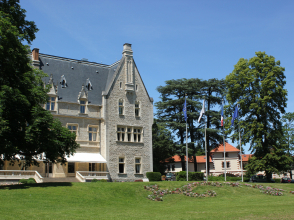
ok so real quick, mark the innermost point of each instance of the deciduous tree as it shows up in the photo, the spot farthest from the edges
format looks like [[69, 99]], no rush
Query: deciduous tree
[[26, 129], [257, 85]]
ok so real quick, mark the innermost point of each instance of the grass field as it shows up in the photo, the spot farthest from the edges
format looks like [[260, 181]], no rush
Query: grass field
[[129, 201]]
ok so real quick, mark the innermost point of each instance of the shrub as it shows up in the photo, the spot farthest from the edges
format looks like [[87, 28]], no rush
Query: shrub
[[103, 180], [246, 179], [94, 180], [31, 181], [277, 180], [24, 181], [222, 178], [192, 176], [153, 176]]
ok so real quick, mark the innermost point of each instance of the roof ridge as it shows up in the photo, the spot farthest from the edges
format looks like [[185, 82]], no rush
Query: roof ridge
[[78, 61]]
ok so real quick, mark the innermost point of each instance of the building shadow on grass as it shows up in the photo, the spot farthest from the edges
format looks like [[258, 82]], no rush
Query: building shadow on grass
[[26, 186]]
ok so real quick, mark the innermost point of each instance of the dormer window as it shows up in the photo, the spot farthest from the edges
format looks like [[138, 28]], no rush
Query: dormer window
[[82, 107], [50, 105], [121, 107], [89, 85], [63, 82]]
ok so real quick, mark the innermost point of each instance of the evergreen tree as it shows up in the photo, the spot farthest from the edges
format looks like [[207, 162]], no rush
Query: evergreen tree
[[213, 90], [26, 129], [163, 146], [170, 111]]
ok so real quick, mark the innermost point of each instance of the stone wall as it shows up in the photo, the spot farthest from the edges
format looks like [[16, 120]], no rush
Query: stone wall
[[125, 149]]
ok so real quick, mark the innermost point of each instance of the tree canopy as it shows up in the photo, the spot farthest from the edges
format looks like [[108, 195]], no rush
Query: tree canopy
[[257, 85], [26, 128], [163, 146], [170, 111]]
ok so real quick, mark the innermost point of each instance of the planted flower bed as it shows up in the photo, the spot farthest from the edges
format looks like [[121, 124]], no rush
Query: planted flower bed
[[187, 190]]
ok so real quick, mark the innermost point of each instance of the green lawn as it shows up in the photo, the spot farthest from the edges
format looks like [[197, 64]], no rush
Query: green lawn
[[129, 201]]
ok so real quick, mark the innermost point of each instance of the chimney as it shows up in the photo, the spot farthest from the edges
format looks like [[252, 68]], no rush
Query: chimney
[[127, 50], [35, 58]]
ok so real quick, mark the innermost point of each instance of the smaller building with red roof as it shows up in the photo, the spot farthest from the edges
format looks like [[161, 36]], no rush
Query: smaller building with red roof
[[219, 157]]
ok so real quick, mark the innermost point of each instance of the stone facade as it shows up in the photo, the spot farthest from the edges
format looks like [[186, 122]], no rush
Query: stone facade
[[109, 109]]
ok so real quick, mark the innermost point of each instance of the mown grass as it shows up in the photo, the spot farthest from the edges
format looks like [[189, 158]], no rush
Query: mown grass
[[129, 201]]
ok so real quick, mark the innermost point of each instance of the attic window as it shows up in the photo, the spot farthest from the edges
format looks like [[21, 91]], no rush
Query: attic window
[[89, 84], [63, 82]]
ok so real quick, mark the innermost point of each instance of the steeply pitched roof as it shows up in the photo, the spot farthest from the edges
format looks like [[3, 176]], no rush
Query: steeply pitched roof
[[76, 73], [229, 148]]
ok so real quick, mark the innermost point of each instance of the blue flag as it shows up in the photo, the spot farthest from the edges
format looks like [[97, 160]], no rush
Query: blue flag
[[235, 115], [185, 110]]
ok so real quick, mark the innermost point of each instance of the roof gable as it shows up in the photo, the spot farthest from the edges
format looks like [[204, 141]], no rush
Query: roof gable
[[229, 148]]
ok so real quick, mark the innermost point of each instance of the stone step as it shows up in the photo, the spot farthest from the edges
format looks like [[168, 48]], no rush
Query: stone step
[[61, 179]]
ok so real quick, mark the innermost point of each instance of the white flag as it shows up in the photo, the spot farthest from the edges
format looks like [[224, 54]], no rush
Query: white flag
[[202, 111]]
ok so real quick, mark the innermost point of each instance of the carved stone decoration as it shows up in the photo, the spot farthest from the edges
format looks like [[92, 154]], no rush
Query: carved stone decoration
[[83, 94], [53, 88], [129, 73]]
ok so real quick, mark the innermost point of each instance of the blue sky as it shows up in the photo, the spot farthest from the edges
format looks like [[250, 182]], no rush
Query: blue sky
[[170, 39]]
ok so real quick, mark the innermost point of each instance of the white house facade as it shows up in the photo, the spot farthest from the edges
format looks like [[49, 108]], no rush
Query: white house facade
[[219, 157]]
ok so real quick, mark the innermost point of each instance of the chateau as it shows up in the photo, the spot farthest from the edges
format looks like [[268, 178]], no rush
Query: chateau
[[109, 110]]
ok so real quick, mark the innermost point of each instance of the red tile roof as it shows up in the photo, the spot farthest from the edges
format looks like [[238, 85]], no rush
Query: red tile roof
[[245, 157], [229, 148]]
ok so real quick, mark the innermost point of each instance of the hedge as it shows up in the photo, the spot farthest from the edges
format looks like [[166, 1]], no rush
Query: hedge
[[154, 176], [192, 176]]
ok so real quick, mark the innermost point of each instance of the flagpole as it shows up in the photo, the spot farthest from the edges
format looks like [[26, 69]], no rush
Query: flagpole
[[199, 119], [187, 164], [240, 149], [206, 155], [206, 146], [225, 163]]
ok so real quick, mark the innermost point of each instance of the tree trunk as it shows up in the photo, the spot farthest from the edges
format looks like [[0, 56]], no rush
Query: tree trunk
[[183, 162], [192, 137]]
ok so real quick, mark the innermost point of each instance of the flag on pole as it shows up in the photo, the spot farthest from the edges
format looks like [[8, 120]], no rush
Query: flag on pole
[[202, 111], [222, 116], [185, 110], [235, 115]]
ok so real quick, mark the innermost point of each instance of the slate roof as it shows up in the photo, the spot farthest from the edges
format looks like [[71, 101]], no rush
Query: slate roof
[[76, 73]]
